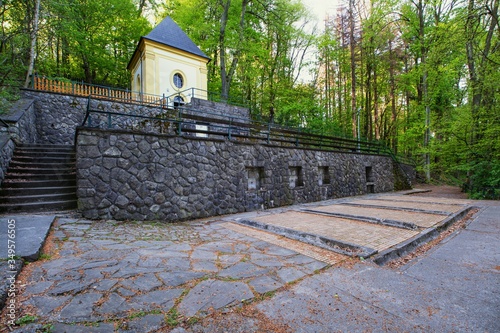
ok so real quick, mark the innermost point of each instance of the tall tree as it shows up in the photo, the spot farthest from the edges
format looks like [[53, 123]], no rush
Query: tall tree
[[33, 36]]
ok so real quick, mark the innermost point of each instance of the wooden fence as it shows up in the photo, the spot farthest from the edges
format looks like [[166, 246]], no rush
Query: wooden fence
[[85, 89]]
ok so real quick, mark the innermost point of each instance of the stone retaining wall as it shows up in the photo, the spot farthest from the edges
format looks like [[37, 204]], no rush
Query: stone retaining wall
[[6, 150], [130, 175], [58, 115], [214, 108], [21, 119]]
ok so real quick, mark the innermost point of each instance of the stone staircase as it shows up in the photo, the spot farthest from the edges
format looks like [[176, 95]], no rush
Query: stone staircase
[[40, 178]]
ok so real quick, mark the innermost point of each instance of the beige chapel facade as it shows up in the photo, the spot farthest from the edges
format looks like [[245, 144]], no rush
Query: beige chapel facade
[[166, 63]]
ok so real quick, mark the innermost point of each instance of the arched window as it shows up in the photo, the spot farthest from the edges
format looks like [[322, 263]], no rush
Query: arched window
[[178, 80], [178, 101]]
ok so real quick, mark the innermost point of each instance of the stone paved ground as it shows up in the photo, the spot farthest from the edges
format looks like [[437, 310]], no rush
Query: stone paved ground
[[215, 276], [139, 277]]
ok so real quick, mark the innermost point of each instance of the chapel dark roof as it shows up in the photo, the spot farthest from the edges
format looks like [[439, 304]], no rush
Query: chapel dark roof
[[170, 34]]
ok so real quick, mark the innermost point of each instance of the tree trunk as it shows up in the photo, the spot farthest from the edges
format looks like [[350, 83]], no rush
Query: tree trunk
[[425, 99], [222, 49], [227, 75], [353, 67], [33, 36], [392, 83]]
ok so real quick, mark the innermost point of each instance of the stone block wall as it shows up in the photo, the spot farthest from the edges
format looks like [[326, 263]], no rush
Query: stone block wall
[[6, 150], [130, 175], [21, 119], [214, 108], [58, 115]]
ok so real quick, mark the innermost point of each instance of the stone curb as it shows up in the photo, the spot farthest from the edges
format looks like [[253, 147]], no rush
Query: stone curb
[[424, 237], [374, 220], [415, 210], [415, 191], [331, 244]]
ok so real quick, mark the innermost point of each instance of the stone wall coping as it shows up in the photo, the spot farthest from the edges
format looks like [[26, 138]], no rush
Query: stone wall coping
[[17, 110]]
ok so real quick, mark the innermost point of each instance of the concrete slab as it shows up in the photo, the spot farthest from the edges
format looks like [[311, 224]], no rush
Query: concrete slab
[[29, 236], [447, 290], [431, 200], [419, 219], [435, 208], [348, 231]]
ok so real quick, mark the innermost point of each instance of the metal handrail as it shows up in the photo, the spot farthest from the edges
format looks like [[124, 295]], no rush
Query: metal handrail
[[231, 129]]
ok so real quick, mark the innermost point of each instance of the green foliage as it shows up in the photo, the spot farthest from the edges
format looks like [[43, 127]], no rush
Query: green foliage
[[172, 317], [408, 57], [27, 319], [89, 40]]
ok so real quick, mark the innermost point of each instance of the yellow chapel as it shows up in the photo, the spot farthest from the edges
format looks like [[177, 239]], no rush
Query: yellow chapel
[[167, 63]]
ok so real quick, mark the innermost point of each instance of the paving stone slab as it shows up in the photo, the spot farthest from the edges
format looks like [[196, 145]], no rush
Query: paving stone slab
[[70, 287], [213, 294], [226, 260], [80, 308], [145, 283], [243, 270], [116, 306], [30, 234], [264, 284], [104, 285], [146, 324], [164, 299], [205, 266], [232, 323], [311, 267], [38, 288], [223, 247], [203, 255], [72, 328], [290, 274], [45, 305], [174, 279]]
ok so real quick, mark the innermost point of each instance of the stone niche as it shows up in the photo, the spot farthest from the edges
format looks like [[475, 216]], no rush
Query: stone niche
[[255, 176], [323, 175], [370, 182], [296, 177]]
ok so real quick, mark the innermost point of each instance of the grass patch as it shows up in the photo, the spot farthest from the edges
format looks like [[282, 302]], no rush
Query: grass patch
[[172, 317], [45, 256], [26, 319], [138, 314]]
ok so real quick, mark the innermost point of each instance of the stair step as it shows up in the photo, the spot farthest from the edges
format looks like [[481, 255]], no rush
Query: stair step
[[43, 146], [38, 183], [12, 191], [40, 178], [30, 165], [38, 198], [43, 153], [45, 171], [38, 206], [43, 159], [11, 177]]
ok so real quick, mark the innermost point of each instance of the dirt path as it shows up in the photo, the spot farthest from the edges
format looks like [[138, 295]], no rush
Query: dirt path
[[442, 191]]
